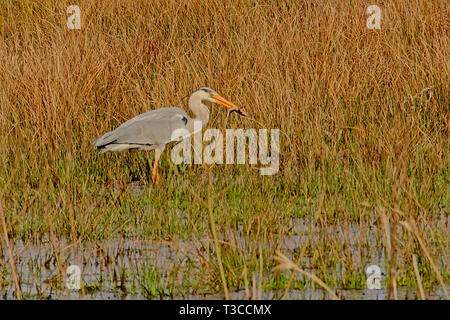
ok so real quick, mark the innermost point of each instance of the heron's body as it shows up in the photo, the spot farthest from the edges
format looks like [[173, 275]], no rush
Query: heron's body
[[153, 130], [145, 131]]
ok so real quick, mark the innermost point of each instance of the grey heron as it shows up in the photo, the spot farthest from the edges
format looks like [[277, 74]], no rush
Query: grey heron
[[153, 130]]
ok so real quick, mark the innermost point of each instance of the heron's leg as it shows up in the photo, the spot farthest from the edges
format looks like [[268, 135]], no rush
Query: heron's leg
[[155, 177], [155, 167], [155, 172]]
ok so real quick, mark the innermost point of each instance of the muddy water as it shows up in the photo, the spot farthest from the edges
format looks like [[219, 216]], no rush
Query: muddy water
[[139, 269]]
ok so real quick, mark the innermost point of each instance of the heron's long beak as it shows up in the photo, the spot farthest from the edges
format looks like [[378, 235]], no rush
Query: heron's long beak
[[227, 104]]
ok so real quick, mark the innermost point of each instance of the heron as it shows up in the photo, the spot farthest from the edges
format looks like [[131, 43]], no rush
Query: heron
[[153, 130]]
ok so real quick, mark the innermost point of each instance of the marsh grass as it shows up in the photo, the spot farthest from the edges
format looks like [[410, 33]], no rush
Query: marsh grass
[[364, 116]]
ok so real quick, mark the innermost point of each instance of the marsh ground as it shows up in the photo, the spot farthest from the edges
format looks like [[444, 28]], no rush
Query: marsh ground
[[364, 167]]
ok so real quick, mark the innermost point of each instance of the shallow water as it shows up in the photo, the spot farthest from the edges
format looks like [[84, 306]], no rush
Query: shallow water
[[141, 269]]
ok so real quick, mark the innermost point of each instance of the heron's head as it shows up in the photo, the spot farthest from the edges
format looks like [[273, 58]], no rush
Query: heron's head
[[207, 94]]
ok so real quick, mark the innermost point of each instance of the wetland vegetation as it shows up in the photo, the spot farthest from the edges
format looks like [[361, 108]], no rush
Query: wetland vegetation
[[364, 161]]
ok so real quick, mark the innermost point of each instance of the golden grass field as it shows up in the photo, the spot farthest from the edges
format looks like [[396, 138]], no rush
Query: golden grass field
[[364, 119]]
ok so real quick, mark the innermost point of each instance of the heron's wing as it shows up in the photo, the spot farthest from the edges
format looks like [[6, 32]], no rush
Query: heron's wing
[[157, 114], [154, 127]]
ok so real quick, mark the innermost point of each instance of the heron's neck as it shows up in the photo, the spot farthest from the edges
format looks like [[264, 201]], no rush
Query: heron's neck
[[199, 109]]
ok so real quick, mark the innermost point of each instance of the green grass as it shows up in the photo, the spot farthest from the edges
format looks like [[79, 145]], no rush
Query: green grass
[[364, 120]]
